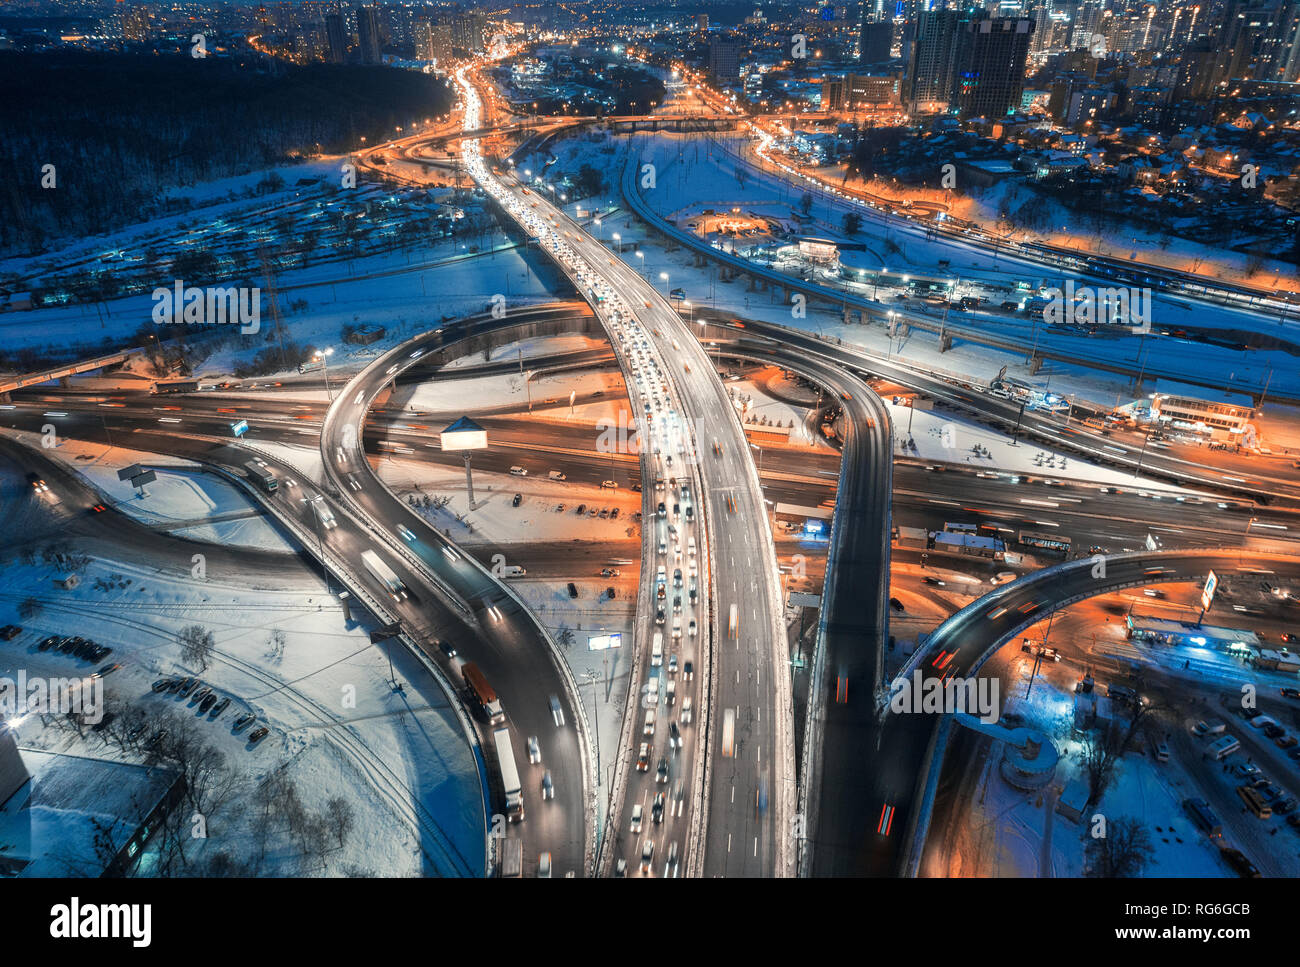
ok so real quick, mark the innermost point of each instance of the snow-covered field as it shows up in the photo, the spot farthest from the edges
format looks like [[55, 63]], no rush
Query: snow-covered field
[[337, 727], [898, 246]]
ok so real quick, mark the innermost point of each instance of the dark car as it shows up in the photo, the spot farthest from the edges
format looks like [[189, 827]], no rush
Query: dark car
[[162, 684], [1273, 731], [447, 649], [258, 734], [517, 501], [896, 605], [573, 590], [10, 632], [219, 708], [661, 773], [582, 509], [657, 810], [688, 671], [1291, 693], [244, 721], [187, 685], [611, 593], [68, 646], [1243, 866], [933, 581], [613, 514], [48, 643]]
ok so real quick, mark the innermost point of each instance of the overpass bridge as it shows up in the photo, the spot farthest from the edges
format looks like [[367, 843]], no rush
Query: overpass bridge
[[62, 372]]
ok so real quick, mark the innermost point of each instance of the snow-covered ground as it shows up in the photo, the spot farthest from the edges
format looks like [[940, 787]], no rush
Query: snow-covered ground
[[950, 438], [494, 521], [184, 499], [338, 728], [898, 246], [1009, 831]]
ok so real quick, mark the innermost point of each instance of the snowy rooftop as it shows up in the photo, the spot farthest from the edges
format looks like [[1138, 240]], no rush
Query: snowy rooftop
[[1169, 387], [51, 826]]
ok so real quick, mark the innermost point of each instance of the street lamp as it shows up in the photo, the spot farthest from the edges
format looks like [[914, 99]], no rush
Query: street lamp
[[641, 256], [664, 276], [323, 356], [618, 242]]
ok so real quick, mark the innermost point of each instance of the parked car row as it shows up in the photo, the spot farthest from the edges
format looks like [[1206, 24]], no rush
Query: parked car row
[[78, 647], [208, 703]]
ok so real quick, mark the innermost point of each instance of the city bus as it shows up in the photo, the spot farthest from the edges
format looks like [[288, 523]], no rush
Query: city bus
[[1050, 543], [1254, 801]]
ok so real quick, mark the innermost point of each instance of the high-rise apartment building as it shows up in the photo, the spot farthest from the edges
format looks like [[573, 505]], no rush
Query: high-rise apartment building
[[724, 59], [933, 44], [875, 41], [368, 34], [990, 65], [336, 33]]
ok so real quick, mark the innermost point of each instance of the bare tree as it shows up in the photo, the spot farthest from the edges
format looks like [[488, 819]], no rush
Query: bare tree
[[196, 645], [276, 643], [1103, 748], [339, 812], [1125, 851]]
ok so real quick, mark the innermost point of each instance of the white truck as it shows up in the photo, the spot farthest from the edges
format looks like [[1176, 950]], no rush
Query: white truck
[[556, 475], [384, 574], [509, 775]]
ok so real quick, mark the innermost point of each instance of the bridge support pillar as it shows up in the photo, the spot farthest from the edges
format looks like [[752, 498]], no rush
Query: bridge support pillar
[[848, 317], [863, 318], [1035, 363], [63, 381], [752, 287], [945, 343]]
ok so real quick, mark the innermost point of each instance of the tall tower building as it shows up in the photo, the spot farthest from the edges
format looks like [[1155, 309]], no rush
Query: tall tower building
[[990, 72], [875, 41], [930, 66], [336, 33], [368, 34], [724, 59]]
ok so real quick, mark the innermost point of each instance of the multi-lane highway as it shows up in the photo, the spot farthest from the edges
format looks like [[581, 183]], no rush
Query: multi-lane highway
[[746, 716], [515, 652]]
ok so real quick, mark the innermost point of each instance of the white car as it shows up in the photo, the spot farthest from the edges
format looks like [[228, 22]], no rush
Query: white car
[[691, 628], [686, 711], [637, 813], [534, 751]]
